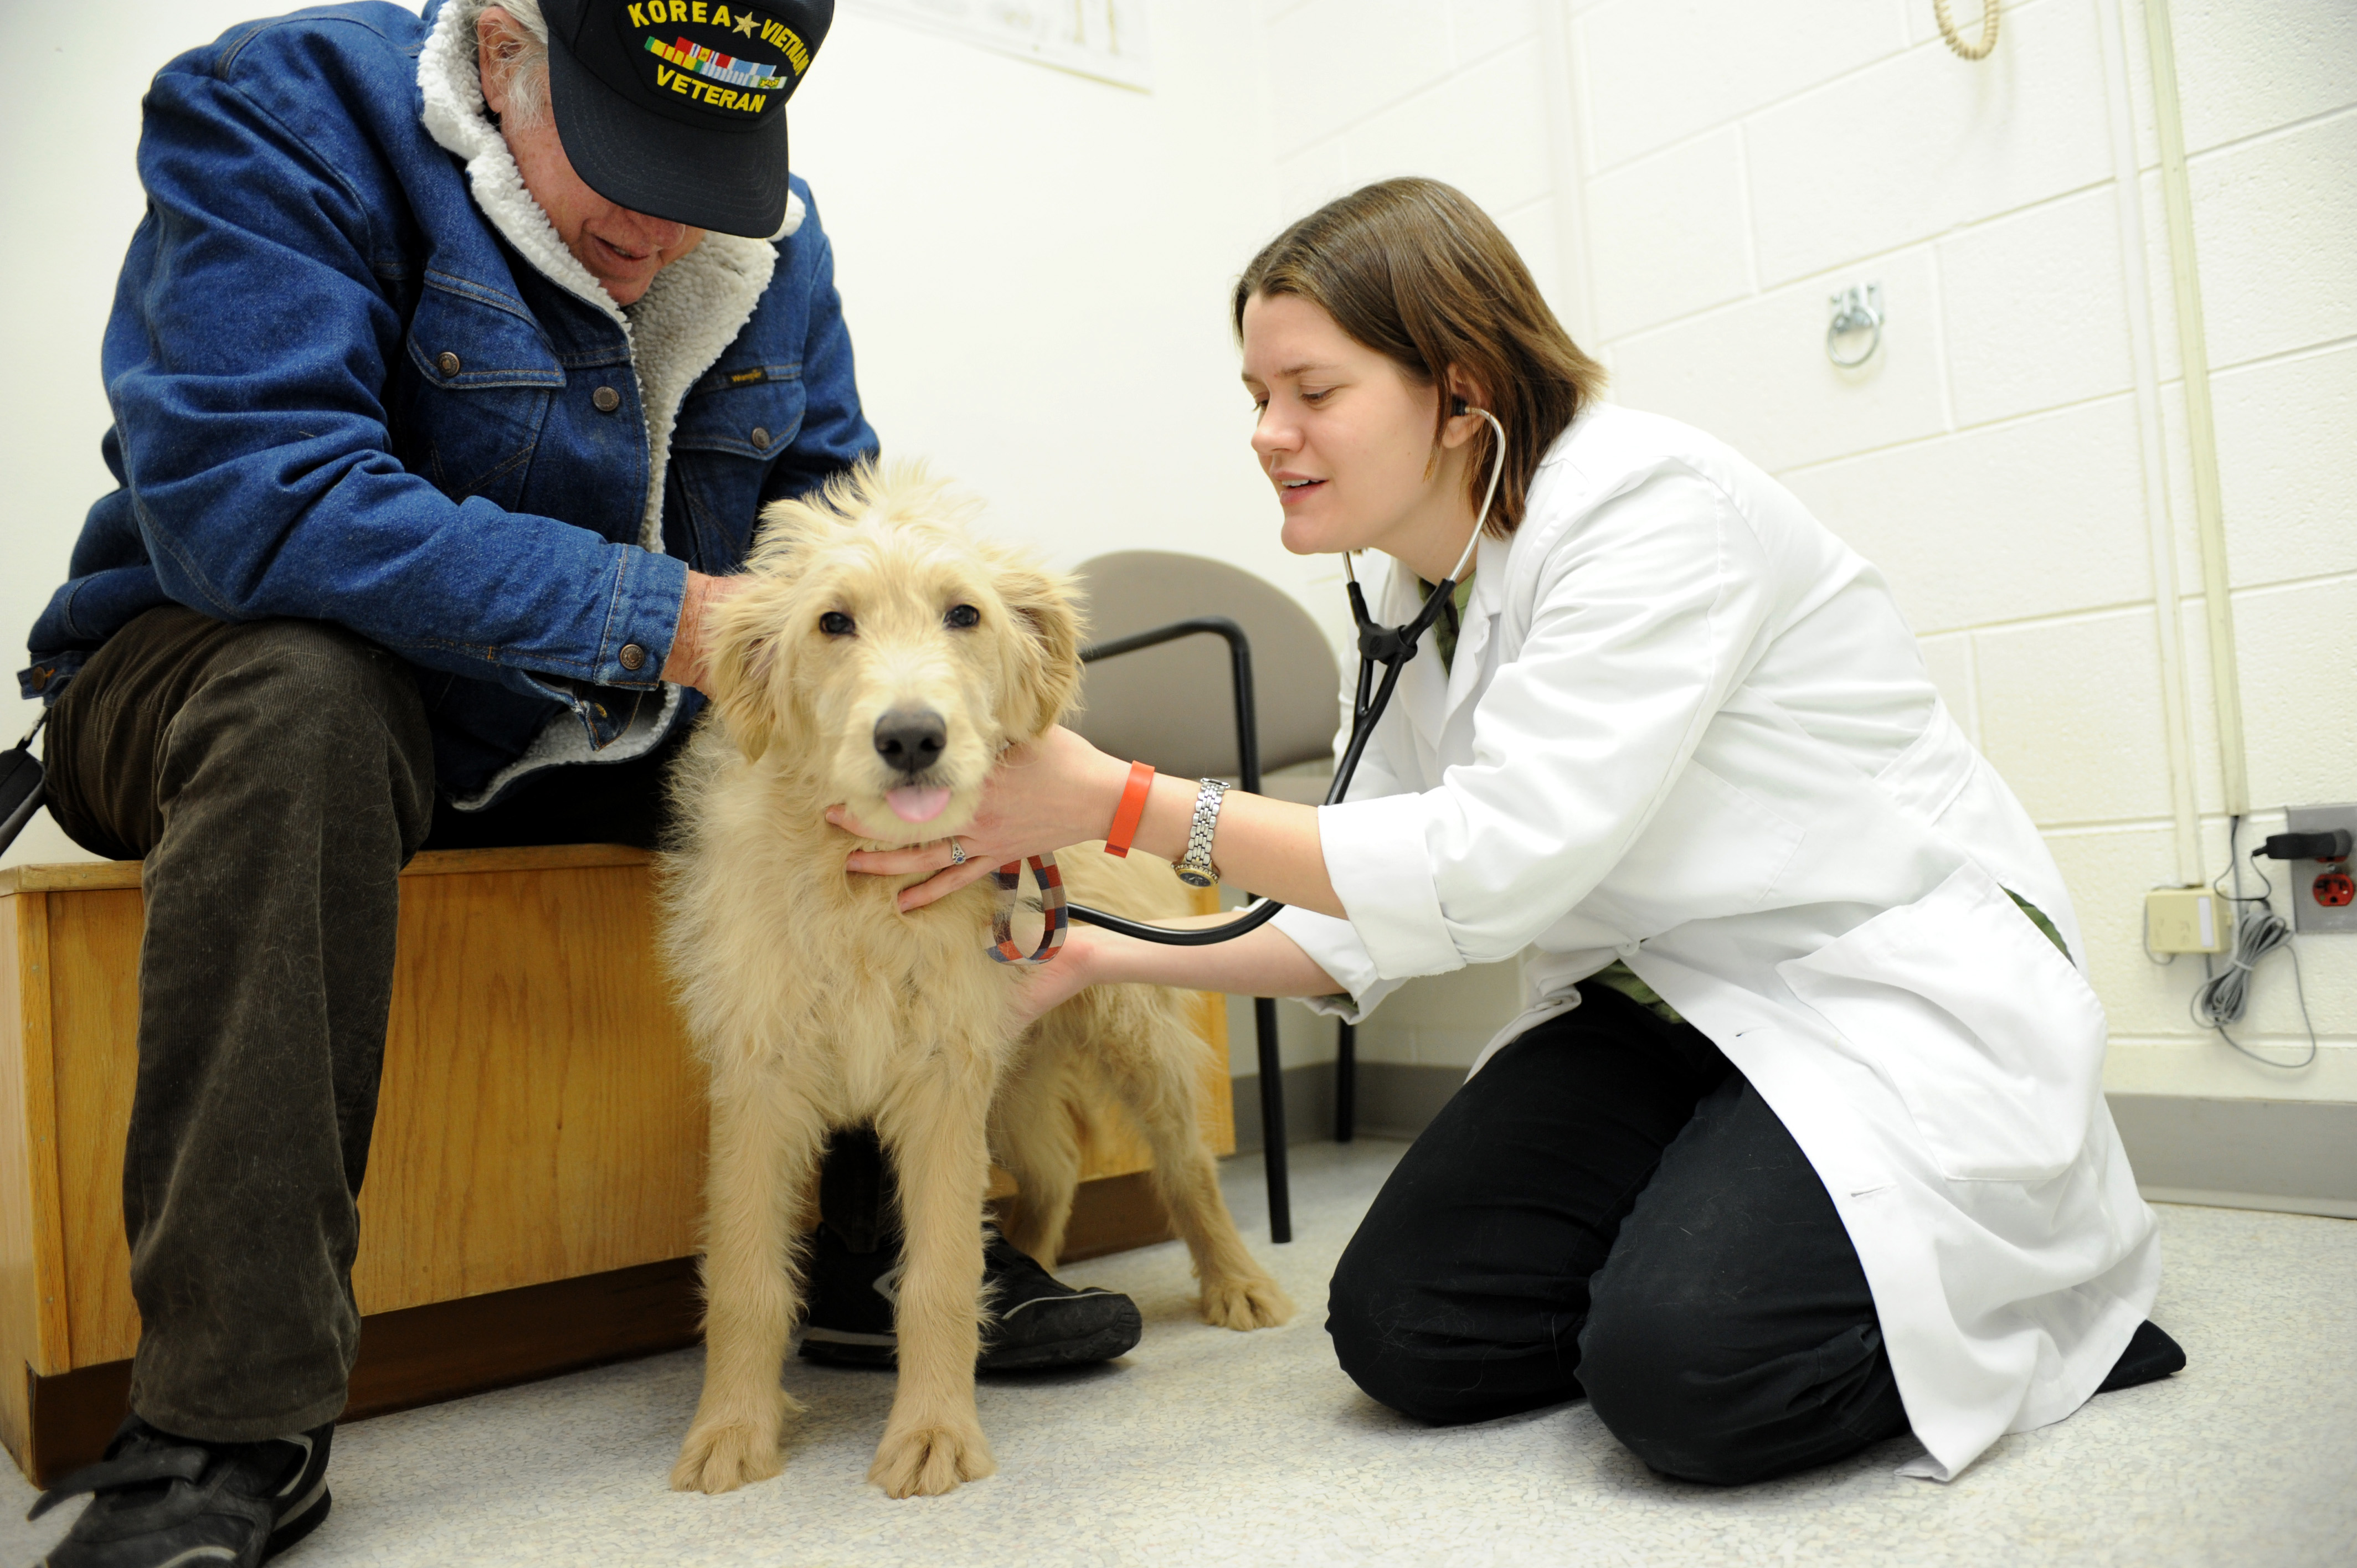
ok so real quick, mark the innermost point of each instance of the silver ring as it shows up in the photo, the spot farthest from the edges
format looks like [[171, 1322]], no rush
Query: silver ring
[[957, 852]]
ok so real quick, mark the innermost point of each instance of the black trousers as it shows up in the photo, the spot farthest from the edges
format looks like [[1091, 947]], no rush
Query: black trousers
[[275, 776], [1609, 1208]]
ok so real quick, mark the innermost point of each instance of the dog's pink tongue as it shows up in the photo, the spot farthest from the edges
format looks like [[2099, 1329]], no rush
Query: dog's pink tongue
[[914, 805]]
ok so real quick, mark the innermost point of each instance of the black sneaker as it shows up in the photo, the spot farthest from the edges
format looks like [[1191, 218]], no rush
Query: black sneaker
[[850, 1302], [158, 1499], [1041, 1322]]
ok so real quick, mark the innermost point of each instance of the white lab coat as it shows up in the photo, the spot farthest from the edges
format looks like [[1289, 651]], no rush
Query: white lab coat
[[1688, 728]]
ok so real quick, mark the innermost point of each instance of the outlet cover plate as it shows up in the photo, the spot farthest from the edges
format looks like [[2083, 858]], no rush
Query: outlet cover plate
[[2186, 919], [2307, 914]]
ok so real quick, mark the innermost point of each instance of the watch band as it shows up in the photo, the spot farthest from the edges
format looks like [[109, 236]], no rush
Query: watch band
[[1197, 870]]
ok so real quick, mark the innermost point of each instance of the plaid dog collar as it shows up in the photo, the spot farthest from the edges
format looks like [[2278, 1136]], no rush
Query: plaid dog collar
[[1008, 879]]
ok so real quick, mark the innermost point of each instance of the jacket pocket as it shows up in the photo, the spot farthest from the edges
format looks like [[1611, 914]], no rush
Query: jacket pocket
[[472, 394], [1990, 1035], [757, 416], [731, 429]]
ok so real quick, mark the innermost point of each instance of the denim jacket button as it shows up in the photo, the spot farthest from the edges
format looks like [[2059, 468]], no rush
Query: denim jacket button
[[632, 656], [607, 400], [447, 362], [760, 435]]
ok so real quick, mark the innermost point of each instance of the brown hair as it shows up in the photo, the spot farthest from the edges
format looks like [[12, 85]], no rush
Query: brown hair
[[1413, 270]]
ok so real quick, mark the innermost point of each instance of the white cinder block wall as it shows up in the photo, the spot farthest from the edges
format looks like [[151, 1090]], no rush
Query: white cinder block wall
[[1726, 165]]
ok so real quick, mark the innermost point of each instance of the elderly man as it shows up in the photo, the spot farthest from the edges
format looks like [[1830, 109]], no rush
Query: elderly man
[[454, 359]]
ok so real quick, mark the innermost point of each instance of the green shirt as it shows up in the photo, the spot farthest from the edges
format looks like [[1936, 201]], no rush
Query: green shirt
[[1444, 630]]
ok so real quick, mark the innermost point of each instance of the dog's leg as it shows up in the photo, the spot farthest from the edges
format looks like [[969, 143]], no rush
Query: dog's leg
[[765, 1148], [1038, 1140], [934, 1131], [1155, 1077]]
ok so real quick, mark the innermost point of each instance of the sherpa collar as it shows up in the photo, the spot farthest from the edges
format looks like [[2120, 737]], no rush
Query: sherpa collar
[[691, 311]]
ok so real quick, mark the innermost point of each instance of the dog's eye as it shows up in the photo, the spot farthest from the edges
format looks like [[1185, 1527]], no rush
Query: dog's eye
[[962, 616], [834, 623]]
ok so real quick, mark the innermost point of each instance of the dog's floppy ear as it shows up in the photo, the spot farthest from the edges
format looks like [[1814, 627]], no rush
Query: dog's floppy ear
[[744, 632], [746, 627], [1048, 677]]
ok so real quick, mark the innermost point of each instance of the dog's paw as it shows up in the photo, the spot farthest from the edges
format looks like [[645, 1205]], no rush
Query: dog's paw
[[721, 1459], [928, 1460], [1246, 1302]]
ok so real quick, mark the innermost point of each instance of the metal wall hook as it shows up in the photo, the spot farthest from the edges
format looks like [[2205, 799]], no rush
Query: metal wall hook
[[1855, 310]]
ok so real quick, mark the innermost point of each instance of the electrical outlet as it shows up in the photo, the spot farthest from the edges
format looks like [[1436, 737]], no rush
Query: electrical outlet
[[2321, 889], [2186, 919]]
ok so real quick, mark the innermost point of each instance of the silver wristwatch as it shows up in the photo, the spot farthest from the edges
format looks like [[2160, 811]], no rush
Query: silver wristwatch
[[1197, 870]]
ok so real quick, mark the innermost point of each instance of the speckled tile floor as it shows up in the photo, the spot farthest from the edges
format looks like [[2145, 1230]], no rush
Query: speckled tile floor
[[1204, 1446]]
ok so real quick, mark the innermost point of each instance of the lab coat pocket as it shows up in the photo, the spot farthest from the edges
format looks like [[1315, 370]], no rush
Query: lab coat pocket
[[1990, 1035]]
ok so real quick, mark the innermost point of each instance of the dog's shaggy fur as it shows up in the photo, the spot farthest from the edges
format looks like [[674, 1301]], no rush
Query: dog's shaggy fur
[[818, 1004]]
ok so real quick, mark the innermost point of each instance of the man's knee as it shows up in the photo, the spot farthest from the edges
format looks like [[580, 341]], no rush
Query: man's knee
[[317, 677], [314, 709]]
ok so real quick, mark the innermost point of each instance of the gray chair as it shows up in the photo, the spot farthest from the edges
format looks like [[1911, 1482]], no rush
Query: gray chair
[[1204, 670]]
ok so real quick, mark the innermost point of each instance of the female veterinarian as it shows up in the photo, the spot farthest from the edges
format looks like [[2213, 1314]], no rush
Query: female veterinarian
[[1799, 1143]]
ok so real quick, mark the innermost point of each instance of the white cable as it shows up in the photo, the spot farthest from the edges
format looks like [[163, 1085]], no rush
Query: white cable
[[2221, 999]]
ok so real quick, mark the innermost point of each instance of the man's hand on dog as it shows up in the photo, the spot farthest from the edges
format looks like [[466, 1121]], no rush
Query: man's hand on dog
[[1056, 790], [689, 662]]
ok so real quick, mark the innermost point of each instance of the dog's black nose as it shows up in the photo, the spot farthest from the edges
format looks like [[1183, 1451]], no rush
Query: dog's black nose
[[911, 741]]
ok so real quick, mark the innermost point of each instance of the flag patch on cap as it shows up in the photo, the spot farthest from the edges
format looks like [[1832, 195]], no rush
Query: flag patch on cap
[[714, 66], [736, 61]]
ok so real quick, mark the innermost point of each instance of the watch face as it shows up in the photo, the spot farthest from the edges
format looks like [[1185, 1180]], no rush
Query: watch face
[[1194, 878]]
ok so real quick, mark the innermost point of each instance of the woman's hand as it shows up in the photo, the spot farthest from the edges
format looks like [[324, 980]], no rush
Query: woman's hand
[[1056, 791], [1047, 986]]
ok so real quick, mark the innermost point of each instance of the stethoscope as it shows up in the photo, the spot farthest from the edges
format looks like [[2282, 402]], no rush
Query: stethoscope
[[1390, 645]]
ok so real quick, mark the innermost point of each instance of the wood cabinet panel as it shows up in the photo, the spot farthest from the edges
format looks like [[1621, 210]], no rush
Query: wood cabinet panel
[[542, 1115], [94, 1032]]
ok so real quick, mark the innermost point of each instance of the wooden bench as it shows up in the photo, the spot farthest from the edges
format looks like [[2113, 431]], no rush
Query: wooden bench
[[536, 1173]]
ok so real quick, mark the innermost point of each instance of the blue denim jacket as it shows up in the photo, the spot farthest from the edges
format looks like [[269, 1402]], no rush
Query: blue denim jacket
[[341, 393]]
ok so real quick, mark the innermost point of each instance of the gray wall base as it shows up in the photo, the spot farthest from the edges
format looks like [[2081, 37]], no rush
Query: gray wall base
[[2296, 1156], [2290, 1157], [1308, 1107], [1395, 1100]]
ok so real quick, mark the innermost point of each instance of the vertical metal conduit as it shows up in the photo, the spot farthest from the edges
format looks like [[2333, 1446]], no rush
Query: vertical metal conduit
[[2152, 439], [2193, 348]]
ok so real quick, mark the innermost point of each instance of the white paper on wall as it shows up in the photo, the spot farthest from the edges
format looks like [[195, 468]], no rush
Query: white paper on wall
[[1102, 38]]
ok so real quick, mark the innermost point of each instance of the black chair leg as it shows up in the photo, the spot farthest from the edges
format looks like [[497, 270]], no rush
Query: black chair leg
[[1346, 1082], [1272, 1121]]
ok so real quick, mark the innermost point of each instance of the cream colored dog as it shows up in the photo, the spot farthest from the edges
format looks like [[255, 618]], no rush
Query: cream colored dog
[[882, 657]]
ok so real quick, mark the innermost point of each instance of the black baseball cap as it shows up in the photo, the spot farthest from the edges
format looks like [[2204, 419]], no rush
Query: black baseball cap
[[677, 108]]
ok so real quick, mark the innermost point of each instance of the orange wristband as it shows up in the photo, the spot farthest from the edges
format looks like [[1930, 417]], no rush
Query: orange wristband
[[1131, 811]]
